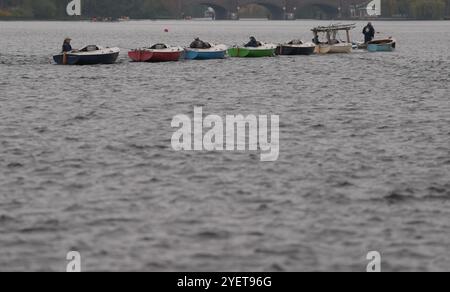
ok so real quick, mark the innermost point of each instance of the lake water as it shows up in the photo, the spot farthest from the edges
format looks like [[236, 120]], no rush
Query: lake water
[[86, 162]]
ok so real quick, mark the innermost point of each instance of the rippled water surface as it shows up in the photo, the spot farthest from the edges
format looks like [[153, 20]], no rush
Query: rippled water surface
[[86, 162]]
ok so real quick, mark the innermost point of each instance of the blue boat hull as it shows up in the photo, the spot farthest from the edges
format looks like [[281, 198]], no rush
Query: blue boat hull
[[199, 55], [87, 60]]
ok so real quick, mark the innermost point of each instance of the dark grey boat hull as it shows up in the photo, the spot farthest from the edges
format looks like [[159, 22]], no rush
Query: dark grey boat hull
[[87, 60], [294, 50]]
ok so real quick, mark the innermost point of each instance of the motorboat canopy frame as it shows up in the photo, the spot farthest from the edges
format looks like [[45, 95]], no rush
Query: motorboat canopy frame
[[331, 31]]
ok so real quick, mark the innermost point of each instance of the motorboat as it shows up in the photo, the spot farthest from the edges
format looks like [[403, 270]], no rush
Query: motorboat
[[333, 43]]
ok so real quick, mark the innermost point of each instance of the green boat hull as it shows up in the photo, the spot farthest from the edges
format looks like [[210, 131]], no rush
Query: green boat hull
[[251, 53]]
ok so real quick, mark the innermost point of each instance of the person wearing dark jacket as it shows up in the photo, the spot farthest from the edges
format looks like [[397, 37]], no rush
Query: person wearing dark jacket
[[369, 32], [199, 44], [66, 46], [253, 43], [196, 44]]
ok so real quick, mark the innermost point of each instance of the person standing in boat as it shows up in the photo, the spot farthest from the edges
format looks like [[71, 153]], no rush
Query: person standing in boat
[[66, 45], [253, 43], [369, 33]]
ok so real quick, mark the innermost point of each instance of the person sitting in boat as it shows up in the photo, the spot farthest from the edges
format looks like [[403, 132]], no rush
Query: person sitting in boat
[[253, 43], [66, 46], [199, 44], [369, 33]]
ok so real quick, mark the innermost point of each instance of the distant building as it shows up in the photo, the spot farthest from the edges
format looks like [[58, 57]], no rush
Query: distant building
[[210, 13], [361, 10]]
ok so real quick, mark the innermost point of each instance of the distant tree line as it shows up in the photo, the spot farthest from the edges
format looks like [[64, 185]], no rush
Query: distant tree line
[[149, 9], [50, 9]]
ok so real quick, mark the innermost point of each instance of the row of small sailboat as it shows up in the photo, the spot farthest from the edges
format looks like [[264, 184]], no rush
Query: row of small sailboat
[[334, 45], [163, 52], [93, 54]]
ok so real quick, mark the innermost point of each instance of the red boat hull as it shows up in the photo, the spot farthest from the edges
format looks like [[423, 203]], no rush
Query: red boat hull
[[140, 55], [166, 57], [154, 56]]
